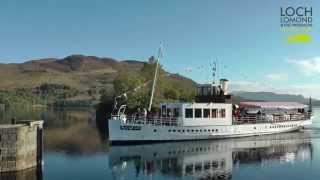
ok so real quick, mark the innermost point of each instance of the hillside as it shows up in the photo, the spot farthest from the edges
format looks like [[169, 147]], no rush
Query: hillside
[[74, 78], [82, 80], [78, 71]]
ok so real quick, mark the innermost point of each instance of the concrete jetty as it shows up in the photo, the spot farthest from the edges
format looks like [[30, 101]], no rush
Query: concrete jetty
[[21, 145]]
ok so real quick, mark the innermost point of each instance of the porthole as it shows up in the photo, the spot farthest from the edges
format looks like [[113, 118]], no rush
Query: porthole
[[200, 130], [169, 130], [205, 130], [179, 130], [174, 130], [216, 130], [254, 128], [187, 130], [208, 130], [192, 130], [154, 130], [197, 130], [182, 130]]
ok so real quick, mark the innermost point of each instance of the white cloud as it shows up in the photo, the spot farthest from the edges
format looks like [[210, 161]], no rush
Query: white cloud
[[308, 67], [277, 77]]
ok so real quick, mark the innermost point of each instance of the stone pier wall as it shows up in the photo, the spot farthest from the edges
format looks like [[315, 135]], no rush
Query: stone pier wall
[[28, 174], [20, 145]]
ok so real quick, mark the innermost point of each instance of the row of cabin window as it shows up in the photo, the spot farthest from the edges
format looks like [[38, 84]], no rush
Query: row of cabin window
[[282, 126], [204, 113], [191, 130]]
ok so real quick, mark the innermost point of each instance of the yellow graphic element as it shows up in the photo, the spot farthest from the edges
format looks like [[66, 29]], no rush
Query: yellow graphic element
[[299, 38]]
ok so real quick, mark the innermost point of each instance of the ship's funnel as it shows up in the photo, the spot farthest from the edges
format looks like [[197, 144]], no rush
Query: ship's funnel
[[224, 85]]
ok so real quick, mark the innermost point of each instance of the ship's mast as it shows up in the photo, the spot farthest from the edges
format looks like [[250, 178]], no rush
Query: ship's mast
[[155, 78]]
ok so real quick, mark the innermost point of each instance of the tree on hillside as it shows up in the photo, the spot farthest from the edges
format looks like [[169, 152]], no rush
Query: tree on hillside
[[167, 89]]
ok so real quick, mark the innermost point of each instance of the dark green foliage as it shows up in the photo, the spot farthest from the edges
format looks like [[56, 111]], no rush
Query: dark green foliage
[[73, 103], [18, 98], [56, 94], [46, 94]]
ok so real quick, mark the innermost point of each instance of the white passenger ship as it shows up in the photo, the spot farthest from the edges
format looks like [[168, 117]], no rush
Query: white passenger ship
[[211, 116]]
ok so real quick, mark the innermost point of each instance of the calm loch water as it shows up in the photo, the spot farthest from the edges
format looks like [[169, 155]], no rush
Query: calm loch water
[[76, 148]]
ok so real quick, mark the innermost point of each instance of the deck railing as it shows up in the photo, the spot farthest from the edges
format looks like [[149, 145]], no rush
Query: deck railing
[[248, 119], [271, 118], [146, 120]]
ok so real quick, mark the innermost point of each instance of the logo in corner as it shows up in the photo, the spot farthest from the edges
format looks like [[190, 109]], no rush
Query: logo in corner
[[296, 22]]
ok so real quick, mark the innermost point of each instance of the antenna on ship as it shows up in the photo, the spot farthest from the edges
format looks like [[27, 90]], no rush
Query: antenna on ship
[[160, 55], [310, 104]]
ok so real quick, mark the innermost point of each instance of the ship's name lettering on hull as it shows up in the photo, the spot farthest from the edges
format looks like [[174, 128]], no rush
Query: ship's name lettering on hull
[[137, 128]]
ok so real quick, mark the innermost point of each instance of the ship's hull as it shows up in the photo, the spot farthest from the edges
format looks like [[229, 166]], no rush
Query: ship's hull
[[126, 133]]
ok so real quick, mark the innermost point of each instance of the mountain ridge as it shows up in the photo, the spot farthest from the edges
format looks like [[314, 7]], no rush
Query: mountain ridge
[[277, 97], [92, 73]]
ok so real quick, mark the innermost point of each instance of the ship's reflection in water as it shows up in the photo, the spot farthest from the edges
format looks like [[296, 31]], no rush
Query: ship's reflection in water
[[207, 159]]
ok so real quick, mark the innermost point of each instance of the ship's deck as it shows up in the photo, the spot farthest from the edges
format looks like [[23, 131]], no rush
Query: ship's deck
[[236, 120]]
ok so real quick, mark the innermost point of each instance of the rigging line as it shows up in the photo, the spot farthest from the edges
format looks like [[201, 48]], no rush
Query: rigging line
[[155, 77]]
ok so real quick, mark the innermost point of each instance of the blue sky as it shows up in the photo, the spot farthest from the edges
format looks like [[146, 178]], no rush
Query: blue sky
[[243, 35]]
